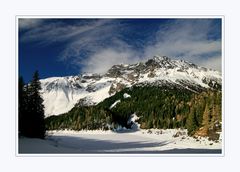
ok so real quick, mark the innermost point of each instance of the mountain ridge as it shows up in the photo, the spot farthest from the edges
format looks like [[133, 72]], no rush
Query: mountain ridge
[[60, 94]]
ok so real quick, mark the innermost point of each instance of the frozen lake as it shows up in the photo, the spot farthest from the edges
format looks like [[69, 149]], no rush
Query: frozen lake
[[108, 142]]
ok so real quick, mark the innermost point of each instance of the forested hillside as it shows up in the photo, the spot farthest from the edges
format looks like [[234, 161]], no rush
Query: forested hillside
[[157, 107]]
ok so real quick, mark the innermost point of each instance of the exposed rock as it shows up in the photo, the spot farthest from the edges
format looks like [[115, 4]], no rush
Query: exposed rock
[[90, 89], [86, 101], [116, 88], [151, 75]]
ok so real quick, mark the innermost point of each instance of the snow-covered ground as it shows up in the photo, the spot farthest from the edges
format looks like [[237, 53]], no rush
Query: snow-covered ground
[[171, 141]]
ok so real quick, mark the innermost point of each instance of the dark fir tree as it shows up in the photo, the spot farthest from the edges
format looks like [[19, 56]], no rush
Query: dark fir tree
[[22, 106], [31, 109], [36, 108]]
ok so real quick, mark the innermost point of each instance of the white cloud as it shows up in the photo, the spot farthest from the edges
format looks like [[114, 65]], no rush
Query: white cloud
[[183, 48], [101, 61], [187, 39], [28, 23], [212, 63], [96, 45]]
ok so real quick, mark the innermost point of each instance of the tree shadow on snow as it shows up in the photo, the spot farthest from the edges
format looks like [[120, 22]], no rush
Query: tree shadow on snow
[[125, 131], [80, 145], [86, 145]]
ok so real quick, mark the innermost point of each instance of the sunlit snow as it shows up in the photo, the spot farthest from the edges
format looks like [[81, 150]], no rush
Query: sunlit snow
[[126, 141]]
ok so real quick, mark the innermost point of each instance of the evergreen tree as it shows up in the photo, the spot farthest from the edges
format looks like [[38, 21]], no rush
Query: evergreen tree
[[35, 109], [22, 107]]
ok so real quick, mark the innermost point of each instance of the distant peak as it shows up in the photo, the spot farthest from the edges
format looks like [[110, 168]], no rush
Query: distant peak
[[160, 58], [160, 62]]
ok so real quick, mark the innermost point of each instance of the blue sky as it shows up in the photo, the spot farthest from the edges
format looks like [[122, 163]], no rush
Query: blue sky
[[61, 47]]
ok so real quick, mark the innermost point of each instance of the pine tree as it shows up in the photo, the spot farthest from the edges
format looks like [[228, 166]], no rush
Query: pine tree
[[22, 107], [36, 109]]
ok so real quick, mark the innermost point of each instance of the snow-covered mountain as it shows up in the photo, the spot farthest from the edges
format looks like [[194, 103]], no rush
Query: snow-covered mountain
[[60, 94]]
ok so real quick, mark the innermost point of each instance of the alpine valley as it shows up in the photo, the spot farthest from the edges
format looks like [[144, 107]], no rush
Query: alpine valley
[[158, 93]]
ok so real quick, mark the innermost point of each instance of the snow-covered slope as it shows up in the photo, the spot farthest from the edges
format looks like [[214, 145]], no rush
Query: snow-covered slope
[[60, 94]]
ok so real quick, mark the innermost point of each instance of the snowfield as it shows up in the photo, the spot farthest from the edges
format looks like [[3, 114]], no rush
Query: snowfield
[[153, 141]]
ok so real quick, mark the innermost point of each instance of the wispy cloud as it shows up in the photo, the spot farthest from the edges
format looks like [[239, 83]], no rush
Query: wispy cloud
[[96, 45], [28, 23], [188, 39], [214, 62], [92, 46], [51, 31]]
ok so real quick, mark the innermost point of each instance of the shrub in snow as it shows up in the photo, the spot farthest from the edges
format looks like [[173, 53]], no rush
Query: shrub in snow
[[149, 132], [159, 132], [179, 133]]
